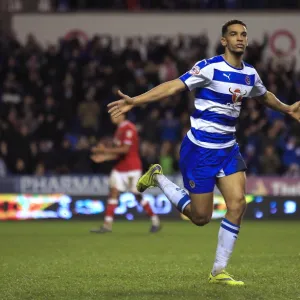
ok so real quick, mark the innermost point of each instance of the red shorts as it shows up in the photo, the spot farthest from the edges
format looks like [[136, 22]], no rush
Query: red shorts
[[125, 181]]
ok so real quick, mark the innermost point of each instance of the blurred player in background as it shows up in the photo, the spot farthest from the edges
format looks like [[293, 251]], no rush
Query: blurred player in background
[[209, 153], [126, 172]]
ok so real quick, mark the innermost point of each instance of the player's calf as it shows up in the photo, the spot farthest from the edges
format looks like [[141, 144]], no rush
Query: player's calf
[[112, 204], [236, 209], [201, 208], [155, 227]]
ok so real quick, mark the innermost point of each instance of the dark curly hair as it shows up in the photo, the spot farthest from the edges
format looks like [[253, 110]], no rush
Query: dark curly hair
[[229, 23]]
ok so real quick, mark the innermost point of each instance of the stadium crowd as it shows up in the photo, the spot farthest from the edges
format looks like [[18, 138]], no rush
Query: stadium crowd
[[149, 5], [53, 103], [175, 4]]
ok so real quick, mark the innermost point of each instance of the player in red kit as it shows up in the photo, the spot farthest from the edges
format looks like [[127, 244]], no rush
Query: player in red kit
[[126, 172]]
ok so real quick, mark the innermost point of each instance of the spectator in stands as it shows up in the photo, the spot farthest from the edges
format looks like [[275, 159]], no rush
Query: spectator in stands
[[291, 152], [269, 161], [88, 113], [169, 127], [149, 154], [166, 159], [53, 100]]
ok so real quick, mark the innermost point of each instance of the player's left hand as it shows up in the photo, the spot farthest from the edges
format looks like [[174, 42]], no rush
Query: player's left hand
[[100, 148], [98, 158], [295, 111]]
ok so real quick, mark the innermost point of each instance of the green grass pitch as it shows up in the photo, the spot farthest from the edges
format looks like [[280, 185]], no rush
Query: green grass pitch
[[62, 260]]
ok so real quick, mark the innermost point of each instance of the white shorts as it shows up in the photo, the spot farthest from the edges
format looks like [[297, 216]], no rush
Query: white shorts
[[125, 181]]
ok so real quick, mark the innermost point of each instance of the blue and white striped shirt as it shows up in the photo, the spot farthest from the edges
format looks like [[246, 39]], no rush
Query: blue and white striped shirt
[[219, 92]]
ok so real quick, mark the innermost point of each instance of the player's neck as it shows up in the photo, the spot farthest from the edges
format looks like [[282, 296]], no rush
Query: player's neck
[[235, 61]]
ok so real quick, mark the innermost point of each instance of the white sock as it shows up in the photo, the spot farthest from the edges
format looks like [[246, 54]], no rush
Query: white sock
[[228, 234], [155, 220], [174, 193]]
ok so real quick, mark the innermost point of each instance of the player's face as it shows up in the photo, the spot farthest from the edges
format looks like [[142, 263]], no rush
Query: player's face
[[236, 39]]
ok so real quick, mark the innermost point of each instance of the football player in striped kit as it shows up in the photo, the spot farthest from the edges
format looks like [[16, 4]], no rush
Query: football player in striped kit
[[209, 153]]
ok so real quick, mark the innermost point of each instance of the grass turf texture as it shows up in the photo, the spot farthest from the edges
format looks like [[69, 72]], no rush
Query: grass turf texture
[[62, 260]]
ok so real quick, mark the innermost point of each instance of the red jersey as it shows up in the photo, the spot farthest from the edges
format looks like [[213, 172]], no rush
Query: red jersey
[[126, 134]]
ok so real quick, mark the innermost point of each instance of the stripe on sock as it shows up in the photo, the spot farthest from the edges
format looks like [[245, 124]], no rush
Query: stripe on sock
[[183, 202], [229, 229], [230, 226], [229, 223]]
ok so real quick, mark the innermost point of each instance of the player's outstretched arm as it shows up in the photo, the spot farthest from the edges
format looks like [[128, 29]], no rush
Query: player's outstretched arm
[[112, 151], [159, 92], [270, 100], [102, 157]]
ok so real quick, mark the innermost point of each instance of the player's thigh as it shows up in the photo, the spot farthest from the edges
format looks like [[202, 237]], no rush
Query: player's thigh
[[131, 178], [233, 189], [231, 180], [116, 181], [202, 205], [199, 167]]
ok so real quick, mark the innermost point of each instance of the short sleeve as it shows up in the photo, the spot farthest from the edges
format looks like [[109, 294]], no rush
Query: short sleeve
[[127, 137], [198, 76], [258, 89]]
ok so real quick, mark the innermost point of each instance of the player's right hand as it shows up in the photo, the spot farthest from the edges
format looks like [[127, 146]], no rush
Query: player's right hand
[[121, 106]]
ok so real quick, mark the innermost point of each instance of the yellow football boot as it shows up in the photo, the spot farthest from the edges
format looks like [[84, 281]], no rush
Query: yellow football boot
[[148, 180], [224, 278]]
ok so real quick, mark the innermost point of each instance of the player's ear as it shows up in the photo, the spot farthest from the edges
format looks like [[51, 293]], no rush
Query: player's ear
[[223, 41]]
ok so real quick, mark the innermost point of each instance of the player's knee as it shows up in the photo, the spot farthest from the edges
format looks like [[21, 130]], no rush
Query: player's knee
[[238, 206], [199, 220], [113, 193]]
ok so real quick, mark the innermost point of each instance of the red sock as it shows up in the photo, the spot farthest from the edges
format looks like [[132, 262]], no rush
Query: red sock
[[153, 217], [110, 210], [147, 208]]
